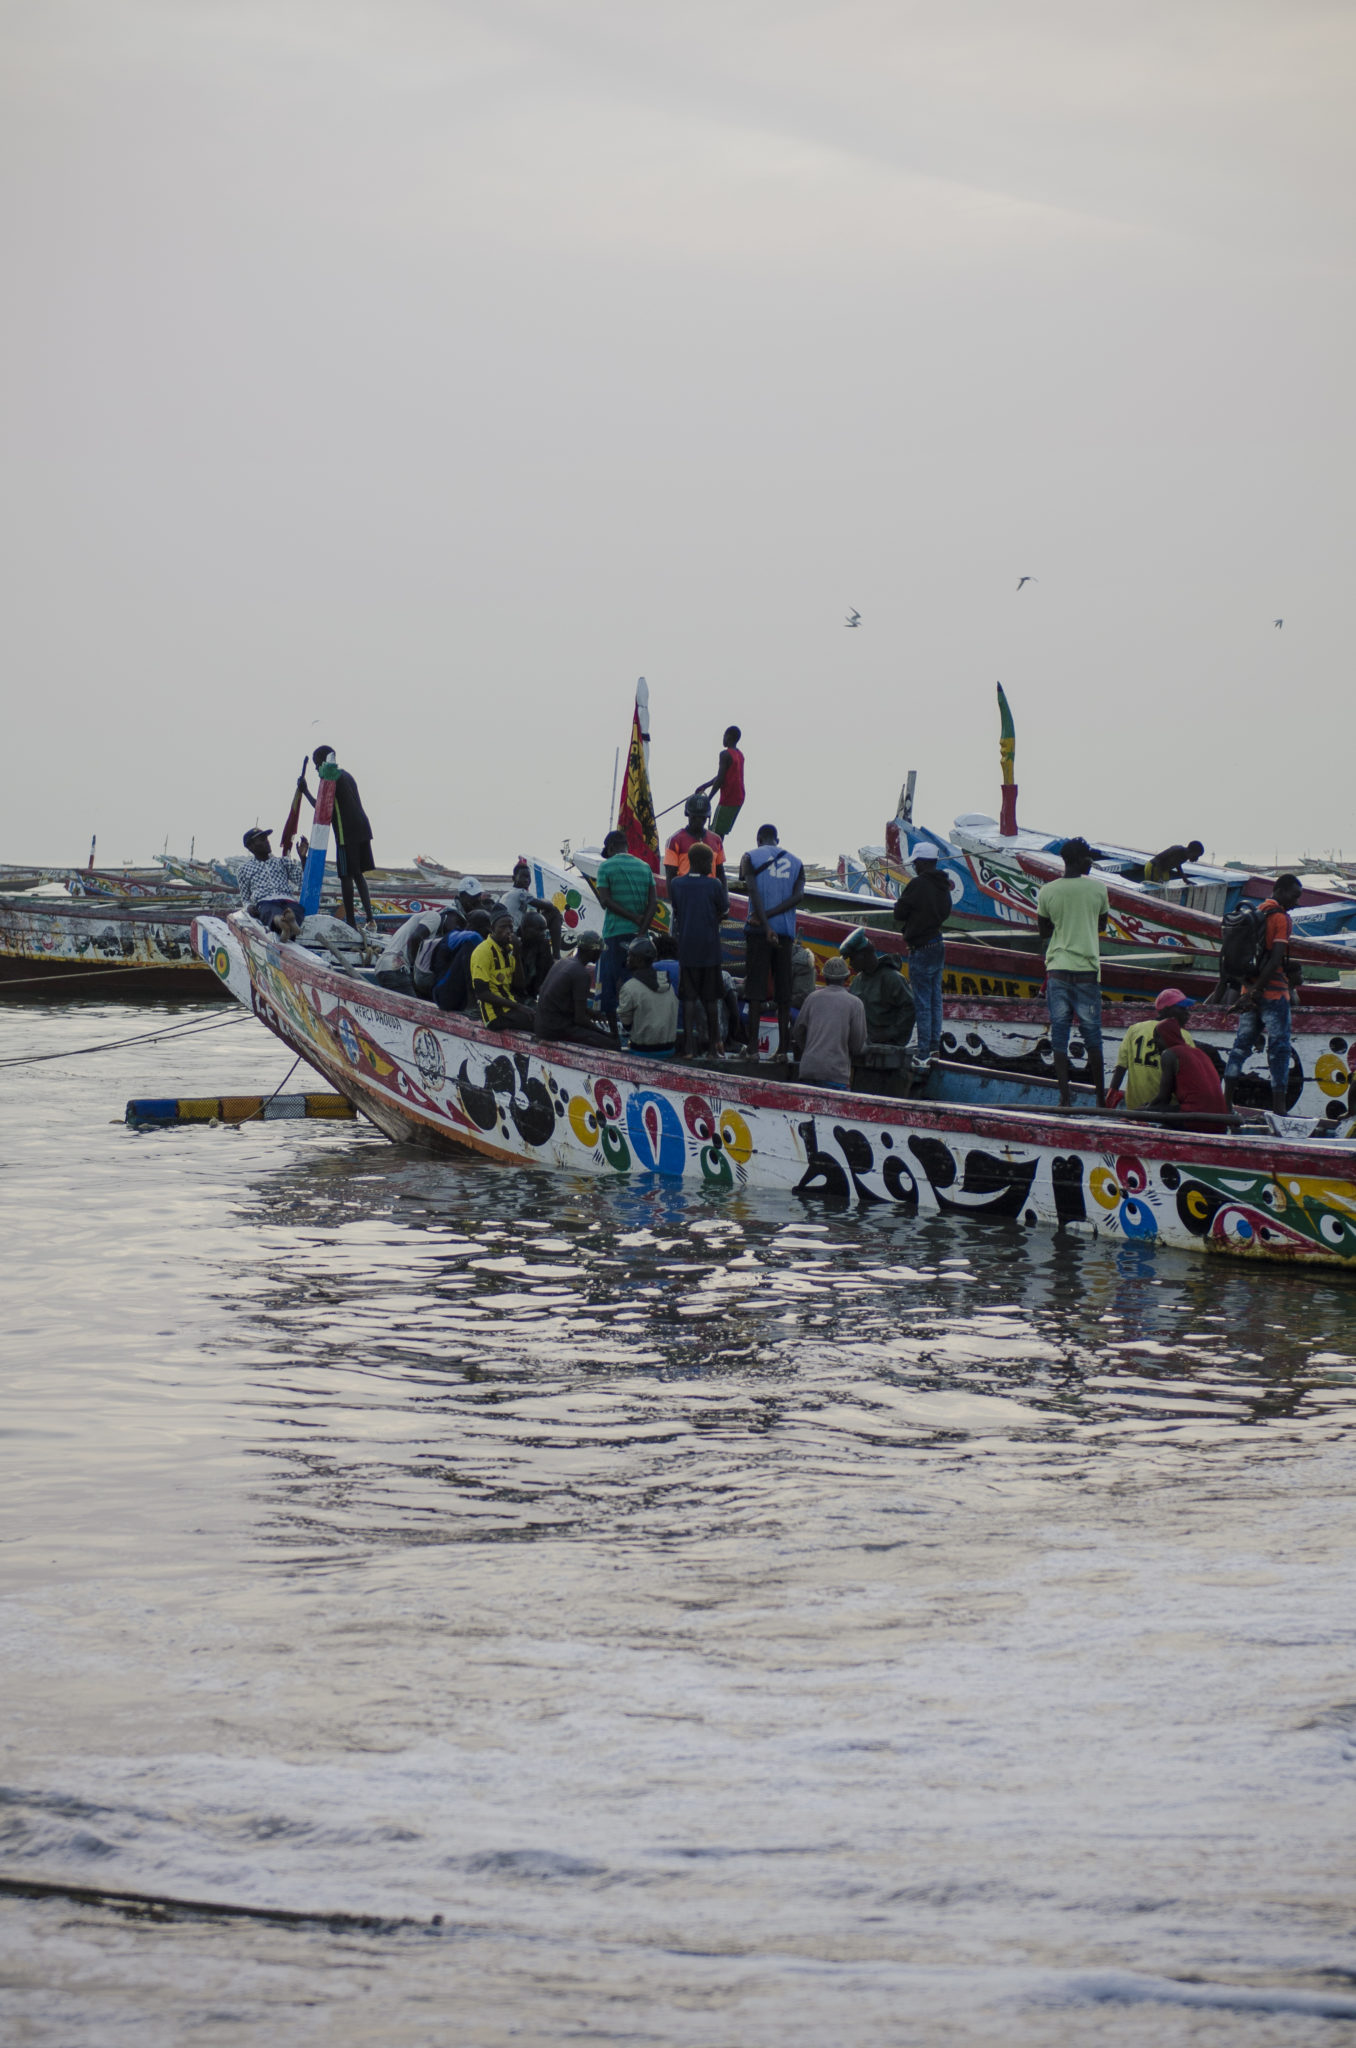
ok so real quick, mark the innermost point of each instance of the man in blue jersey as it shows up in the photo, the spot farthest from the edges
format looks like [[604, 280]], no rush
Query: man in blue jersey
[[774, 881]]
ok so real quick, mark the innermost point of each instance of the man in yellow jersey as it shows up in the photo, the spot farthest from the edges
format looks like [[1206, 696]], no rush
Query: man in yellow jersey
[[1138, 1063], [497, 979]]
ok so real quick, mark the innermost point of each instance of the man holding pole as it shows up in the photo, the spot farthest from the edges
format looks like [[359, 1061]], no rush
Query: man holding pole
[[353, 833]]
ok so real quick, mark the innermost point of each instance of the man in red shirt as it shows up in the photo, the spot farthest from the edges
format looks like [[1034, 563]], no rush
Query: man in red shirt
[[727, 784], [698, 810], [1265, 1005], [1189, 1080]]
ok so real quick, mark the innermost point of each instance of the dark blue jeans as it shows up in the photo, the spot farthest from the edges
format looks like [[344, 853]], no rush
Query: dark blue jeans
[[1272, 1018], [925, 979], [612, 971]]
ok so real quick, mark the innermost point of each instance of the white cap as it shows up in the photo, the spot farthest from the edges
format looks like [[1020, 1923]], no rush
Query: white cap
[[925, 850], [469, 886]]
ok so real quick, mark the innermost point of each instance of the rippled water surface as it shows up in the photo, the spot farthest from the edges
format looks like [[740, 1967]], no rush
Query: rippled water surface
[[665, 1619]]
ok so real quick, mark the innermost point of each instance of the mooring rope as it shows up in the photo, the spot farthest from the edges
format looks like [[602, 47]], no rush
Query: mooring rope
[[192, 1027]]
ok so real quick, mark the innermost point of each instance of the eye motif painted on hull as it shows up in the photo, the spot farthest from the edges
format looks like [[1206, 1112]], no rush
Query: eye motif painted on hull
[[656, 1135], [724, 1142], [596, 1125]]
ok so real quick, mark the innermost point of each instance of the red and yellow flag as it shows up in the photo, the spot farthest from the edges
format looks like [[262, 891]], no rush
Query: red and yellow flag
[[635, 812]]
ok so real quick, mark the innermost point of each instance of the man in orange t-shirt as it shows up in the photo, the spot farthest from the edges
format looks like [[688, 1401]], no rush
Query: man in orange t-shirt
[[1265, 1004], [698, 810]]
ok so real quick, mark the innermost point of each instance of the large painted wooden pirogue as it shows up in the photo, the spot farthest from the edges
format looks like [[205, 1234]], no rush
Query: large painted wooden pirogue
[[419, 1072]]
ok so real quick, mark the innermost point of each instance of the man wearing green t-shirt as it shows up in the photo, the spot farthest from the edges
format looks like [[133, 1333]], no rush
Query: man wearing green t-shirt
[[626, 889], [1072, 915]]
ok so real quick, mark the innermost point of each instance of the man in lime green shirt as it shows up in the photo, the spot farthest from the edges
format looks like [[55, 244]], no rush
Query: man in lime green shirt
[[1072, 915]]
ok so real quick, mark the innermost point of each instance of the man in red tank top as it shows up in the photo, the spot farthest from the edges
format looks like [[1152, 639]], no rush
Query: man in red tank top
[[1189, 1080], [727, 784]]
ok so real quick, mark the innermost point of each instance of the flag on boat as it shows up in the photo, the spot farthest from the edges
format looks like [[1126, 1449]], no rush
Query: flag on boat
[[635, 812], [289, 830]]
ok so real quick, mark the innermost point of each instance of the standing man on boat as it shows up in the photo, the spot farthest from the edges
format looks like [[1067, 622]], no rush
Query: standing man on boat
[[698, 810], [1072, 915], [881, 990], [1265, 1005], [625, 886], [727, 784], [921, 909], [700, 902], [774, 881], [353, 835]]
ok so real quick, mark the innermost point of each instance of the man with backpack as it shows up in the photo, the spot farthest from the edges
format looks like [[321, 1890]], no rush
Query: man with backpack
[[1267, 979], [446, 963]]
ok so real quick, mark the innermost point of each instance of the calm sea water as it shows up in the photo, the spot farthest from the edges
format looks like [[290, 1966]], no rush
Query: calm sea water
[[673, 1620]]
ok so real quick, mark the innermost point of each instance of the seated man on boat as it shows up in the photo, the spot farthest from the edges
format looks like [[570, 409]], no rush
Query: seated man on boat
[[1189, 1081], [647, 1007], [395, 962], [520, 904], [1137, 1062], [666, 956], [884, 995], [538, 954], [450, 964], [563, 1004], [268, 883], [469, 896], [497, 978], [830, 1030], [803, 975]]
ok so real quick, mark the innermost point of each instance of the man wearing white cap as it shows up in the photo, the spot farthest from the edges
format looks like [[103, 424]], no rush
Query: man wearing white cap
[[921, 910]]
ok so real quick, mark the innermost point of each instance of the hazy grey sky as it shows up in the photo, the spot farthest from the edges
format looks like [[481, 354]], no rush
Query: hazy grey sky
[[415, 375]]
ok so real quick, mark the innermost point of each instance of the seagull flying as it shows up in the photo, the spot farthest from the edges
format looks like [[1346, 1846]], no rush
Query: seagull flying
[[1280, 622], [1026, 579], [853, 619]]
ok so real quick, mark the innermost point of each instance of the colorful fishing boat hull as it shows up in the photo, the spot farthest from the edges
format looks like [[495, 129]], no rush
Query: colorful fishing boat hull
[[418, 1072], [50, 944]]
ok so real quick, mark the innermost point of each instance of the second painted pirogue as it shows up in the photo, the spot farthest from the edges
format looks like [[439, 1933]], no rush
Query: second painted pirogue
[[419, 1072]]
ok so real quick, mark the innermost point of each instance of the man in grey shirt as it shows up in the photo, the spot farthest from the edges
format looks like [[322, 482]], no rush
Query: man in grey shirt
[[830, 1030]]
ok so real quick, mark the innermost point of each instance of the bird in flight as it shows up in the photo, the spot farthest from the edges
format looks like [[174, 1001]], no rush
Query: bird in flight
[[1025, 579], [1280, 622], [853, 619]]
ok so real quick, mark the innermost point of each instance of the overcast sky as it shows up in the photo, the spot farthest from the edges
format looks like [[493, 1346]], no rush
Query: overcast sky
[[414, 375]]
